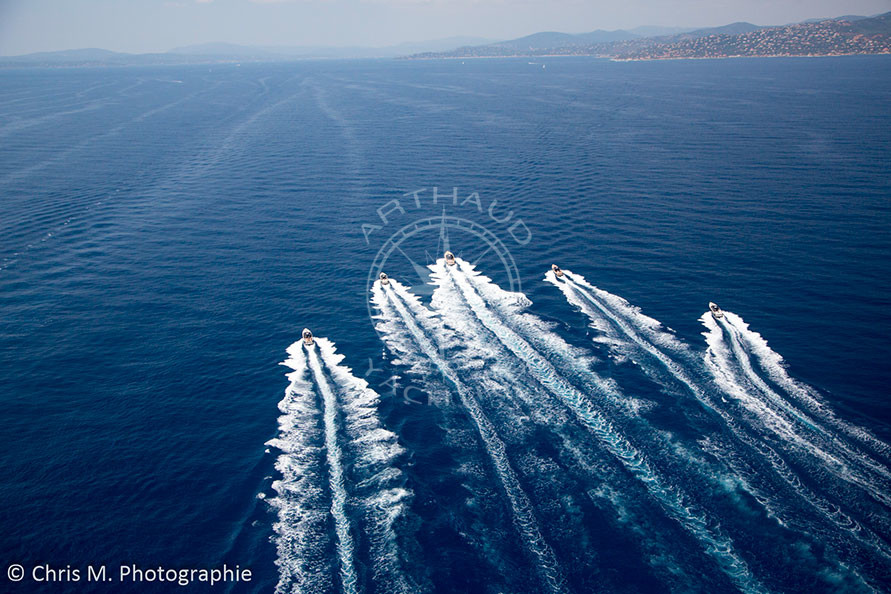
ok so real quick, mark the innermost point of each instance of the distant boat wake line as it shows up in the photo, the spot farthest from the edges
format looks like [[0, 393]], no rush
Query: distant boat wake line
[[49, 219], [61, 156], [801, 438], [353, 153], [398, 306], [338, 466], [463, 282], [68, 216]]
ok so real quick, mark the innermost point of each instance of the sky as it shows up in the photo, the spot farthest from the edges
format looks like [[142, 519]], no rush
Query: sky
[[158, 25]]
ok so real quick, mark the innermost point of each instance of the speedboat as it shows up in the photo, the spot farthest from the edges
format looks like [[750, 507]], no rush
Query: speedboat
[[385, 280], [716, 311], [307, 337], [557, 272], [450, 258]]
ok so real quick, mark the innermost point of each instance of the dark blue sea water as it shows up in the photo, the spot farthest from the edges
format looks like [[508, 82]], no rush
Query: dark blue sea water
[[166, 233]]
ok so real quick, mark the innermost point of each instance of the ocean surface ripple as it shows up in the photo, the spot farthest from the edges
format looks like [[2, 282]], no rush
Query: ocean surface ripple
[[166, 232]]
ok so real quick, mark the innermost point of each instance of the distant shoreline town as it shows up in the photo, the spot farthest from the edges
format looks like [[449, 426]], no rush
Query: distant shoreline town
[[841, 36]]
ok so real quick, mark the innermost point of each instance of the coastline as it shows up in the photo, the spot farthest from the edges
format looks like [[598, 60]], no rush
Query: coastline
[[647, 59]]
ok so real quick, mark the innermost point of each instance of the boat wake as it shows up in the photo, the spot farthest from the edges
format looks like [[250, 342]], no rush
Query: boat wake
[[771, 422], [536, 346], [844, 473], [413, 330], [748, 345], [735, 462], [339, 467]]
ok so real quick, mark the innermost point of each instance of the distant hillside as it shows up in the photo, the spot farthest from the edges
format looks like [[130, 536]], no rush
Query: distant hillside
[[825, 38], [848, 17], [828, 37], [839, 36], [441, 45], [731, 29], [86, 54], [550, 42], [301, 51], [545, 40], [650, 31], [218, 49], [214, 53], [94, 57]]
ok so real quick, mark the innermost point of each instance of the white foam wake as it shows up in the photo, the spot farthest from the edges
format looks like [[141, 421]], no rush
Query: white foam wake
[[302, 540], [345, 545], [772, 365], [379, 487], [581, 294], [628, 328], [733, 373], [673, 500], [794, 427], [329, 417], [396, 303], [505, 380], [651, 336], [845, 463], [634, 324]]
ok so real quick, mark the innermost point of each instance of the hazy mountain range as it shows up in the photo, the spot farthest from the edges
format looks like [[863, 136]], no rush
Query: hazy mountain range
[[548, 40], [401, 49], [845, 35], [230, 52], [639, 43]]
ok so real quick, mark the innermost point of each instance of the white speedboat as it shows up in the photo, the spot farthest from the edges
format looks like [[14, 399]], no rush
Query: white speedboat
[[450, 258], [557, 272], [385, 280], [716, 311], [307, 337]]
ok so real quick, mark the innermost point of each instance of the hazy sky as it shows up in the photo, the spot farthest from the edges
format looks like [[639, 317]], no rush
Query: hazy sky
[[158, 25]]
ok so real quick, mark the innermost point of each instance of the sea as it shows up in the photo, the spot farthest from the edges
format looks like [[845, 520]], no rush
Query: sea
[[167, 232]]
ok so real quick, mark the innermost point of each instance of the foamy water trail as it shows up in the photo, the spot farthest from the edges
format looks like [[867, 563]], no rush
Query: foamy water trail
[[494, 366], [396, 303], [302, 527], [379, 485], [731, 376], [577, 292], [345, 545], [795, 427], [462, 452], [629, 329], [675, 503], [771, 364], [336, 458], [585, 296], [856, 467]]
